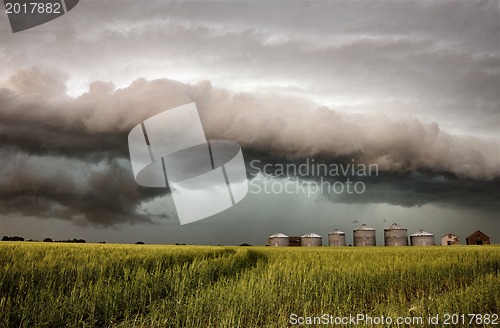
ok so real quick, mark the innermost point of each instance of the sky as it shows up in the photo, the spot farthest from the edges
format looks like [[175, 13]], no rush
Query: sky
[[410, 87]]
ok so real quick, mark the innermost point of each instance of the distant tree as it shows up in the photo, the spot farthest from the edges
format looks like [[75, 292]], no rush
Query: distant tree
[[48, 240], [245, 244], [74, 240], [5, 238], [140, 243], [102, 242]]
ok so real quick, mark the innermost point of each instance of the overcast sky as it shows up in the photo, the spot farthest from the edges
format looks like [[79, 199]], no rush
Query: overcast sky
[[413, 87]]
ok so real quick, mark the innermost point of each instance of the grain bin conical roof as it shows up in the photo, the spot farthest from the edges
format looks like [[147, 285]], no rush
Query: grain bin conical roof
[[421, 233], [395, 226], [311, 235], [364, 227], [278, 235]]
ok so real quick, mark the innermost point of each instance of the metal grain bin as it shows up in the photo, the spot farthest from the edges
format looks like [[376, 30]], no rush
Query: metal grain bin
[[336, 238], [278, 239], [395, 236], [364, 236], [311, 239], [422, 238]]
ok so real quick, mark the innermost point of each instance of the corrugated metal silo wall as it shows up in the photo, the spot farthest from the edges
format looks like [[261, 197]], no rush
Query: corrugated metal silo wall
[[336, 240], [395, 237], [311, 241], [422, 240], [365, 238]]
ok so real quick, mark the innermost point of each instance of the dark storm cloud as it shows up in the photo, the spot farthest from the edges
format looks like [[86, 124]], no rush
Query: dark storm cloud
[[92, 127], [65, 157], [407, 188], [98, 121], [417, 189], [49, 187]]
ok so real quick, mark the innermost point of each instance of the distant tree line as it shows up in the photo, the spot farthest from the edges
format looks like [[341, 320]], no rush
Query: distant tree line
[[17, 238], [13, 238], [74, 240]]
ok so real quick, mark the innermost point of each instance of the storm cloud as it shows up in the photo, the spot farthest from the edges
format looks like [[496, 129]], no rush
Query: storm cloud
[[46, 136], [435, 61], [409, 86], [101, 195], [98, 122]]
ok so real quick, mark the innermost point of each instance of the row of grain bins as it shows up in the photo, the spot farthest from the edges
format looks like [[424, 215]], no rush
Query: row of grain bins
[[363, 236], [394, 235], [310, 239]]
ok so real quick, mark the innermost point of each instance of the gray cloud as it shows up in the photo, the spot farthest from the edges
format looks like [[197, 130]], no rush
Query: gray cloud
[[411, 86], [47, 136], [54, 187], [99, 121], [400, 188], [437, 61]]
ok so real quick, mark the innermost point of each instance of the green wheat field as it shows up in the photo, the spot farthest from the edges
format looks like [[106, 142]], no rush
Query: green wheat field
[[95, 285]]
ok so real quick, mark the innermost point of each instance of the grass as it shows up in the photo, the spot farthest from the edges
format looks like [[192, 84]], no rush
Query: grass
[[92, 285]]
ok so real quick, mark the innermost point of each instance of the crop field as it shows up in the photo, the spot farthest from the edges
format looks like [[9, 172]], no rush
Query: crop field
[[93, 285]]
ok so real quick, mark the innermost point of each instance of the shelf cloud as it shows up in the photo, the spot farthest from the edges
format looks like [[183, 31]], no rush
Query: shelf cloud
[[41, 128], [409, 86]]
